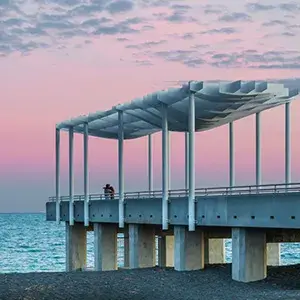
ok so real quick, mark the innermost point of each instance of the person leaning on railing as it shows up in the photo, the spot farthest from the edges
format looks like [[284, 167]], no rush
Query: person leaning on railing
[[109, 191]]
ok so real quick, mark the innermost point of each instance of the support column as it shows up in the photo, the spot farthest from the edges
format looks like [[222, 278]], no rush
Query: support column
[[57, 174], [231, 156], [186, 136], [121, 168], [288, 143], [273, 250], [214, 251], [76, 247], [165, 168], [126, 247], [249, 260], [142, 246], [189, 249], [86, 174], [71, 176], [166, 251], [105, 247], [258, 149], [191, 161], [150, 165]]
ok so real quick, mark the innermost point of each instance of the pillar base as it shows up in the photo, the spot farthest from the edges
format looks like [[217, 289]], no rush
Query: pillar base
[[166, 251], [76, 247], [142, 246], [249, 255], [189, 249], [105, 247], [214, 251]]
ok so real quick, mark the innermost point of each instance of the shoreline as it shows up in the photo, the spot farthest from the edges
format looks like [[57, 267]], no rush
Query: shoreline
[[156, 283]]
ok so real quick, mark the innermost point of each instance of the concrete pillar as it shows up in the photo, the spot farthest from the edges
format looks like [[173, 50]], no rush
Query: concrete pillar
[[214, 252], [105, 247], [249, 255], [75, 247], [126, 247], [142, 246], [166, 251], [189, 249], [273, 254]]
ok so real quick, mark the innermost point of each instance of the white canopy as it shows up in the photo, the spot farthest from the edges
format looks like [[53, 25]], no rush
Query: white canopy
[[215, 104]]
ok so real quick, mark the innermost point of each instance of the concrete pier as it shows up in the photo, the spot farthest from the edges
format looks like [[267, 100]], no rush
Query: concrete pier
[[249, 257], [214, 251], [75, 247], [166, 251], [273, 254], [189, 249], [142, 246], [105, 246]]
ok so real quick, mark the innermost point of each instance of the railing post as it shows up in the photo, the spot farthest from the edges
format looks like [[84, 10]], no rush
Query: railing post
[[86, 174], [165, 168], [71, 176], [121, 167], [57, 174], [191, 159]]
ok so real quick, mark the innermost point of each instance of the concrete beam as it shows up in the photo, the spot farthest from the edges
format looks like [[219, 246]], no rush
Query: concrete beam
[[214, 252], [142, 246], [249, 255], [126, 247], [105, 246], [166, 251], [189, 249], [76, 247]]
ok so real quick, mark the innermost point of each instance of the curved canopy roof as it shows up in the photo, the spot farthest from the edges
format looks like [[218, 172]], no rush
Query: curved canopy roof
[[215, 104]]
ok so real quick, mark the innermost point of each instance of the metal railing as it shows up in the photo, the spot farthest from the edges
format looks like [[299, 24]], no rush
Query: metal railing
[[210, 191]]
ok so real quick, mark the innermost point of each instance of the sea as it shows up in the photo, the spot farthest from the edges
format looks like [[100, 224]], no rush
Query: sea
[[30, 244]]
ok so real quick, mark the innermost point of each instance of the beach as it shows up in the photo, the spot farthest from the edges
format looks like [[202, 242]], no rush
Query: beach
[[213, 283]]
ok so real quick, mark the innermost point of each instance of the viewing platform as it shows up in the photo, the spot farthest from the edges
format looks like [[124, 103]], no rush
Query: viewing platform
[[192, 223]]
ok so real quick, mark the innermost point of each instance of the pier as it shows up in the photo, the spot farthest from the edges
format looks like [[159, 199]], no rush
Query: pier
[[192, 223]]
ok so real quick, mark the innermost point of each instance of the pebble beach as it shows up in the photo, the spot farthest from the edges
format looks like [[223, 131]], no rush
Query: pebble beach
[[214, 283]]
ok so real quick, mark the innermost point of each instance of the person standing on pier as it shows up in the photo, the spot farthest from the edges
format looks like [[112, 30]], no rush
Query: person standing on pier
[[109, 191]]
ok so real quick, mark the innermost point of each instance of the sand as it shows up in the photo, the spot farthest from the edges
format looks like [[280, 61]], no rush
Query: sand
[[213, 283]]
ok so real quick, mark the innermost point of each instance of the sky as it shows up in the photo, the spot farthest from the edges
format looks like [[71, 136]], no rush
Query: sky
[[64, 58]]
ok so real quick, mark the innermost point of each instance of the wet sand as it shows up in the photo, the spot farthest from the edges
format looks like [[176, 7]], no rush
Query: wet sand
[[159, 284]]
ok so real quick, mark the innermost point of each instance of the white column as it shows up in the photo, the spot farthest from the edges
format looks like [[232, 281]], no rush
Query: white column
[[169, 159], [57, 174], [121, 168], [150, 166], [258, 149], [71, 176], [186, 136], [288, 142], [231, 156], [86, 174], [191, 162], [165, 168]]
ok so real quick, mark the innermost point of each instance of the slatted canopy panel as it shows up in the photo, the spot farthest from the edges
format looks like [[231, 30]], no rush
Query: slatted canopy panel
[[215, 104]]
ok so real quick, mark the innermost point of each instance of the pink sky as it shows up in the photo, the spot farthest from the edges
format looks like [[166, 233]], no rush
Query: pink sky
[[87, 72]]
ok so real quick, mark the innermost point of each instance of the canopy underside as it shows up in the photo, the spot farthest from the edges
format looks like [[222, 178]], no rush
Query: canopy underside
[[215, 104]]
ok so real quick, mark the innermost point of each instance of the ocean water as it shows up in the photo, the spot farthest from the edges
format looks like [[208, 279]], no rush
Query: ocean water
[[30, 244]]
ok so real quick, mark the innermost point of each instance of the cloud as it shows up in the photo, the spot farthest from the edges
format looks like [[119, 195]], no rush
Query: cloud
[[236, 17], [256, 7], [224, 30], [146, 45], [120, 6], [214, 9], [291, 7], [274, 23]]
